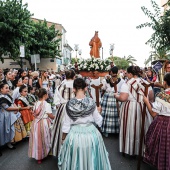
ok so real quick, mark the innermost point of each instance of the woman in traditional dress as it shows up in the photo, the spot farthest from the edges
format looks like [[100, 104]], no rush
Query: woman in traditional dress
[[7, 80], [63, 93], [83, 147], [131, 96], [11, 125], [157, 151], [110, 107], [26, 114], [31, 96], [17, 84], [40, 136]]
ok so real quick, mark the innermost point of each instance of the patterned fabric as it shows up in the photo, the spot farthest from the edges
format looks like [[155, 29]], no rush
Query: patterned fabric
[[40, 136], [131, 119], [11, 125], [83, 149], [157, 151], [164, 96], [26, 114], [31, 99], [109, 113], [67, 94], [80, 108], [20, 131], [56, 131]]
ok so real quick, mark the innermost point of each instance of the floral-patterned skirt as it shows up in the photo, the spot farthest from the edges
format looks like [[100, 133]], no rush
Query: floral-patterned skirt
[[20, 131]]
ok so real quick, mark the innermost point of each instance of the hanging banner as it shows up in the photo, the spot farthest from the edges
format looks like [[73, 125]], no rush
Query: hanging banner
[[22, 51]]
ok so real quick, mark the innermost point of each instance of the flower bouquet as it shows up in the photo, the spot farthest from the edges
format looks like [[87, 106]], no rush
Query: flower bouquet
[[88, 66]]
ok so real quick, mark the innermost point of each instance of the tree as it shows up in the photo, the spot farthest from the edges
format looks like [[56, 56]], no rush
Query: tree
[[159, 54], [42, 40], [17, 28], [73, 60], [130, 59], [14, 26], [121, 63], [160, 25]]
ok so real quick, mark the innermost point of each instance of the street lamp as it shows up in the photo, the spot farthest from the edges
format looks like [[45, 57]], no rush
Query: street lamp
[[111, 54], [76, 48], [80, 52], [111, 47]]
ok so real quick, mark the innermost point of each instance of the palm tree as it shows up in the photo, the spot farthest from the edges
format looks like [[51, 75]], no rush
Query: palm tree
[[159, 54], [130, 59]]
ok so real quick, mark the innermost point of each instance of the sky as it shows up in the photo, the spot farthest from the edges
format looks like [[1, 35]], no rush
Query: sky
[[115, 20]]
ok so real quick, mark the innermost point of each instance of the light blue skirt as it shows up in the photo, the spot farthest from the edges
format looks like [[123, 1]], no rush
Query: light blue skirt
[[83, 149]]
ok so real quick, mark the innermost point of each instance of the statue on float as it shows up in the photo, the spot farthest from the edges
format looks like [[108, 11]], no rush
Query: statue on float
[[95, 44]]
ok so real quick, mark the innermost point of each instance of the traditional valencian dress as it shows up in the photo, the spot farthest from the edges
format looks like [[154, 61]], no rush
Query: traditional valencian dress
[[31, 99], [26, 114], [131, 117], [157, 152], [40, 136], [63, 93], [83, 148], [12, 124], [7, 120], [109, 108]]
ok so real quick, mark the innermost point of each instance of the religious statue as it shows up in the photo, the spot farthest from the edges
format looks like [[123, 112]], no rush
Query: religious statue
[[95, 44]]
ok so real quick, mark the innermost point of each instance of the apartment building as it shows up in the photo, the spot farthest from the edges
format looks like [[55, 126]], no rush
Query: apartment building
[[47, 63]]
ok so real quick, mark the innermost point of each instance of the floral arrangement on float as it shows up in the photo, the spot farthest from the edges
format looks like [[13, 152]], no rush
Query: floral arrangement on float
[[87, 67]]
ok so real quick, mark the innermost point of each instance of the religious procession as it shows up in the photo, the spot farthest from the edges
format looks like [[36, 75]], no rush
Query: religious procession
[[92, 113]]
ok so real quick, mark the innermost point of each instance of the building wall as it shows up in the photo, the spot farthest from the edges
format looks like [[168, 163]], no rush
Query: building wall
[[7, 64]]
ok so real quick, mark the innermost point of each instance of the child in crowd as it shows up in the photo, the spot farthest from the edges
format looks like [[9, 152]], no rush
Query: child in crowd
[[83, 147], [11, 127], [31, 95], [40, 136], [26, 114], [157, 152], [17, 83]]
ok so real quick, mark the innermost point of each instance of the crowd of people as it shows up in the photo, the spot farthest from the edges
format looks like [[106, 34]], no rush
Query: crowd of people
[[59, 114]]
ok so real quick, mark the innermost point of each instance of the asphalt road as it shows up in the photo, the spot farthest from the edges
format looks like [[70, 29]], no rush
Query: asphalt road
[[18, 159]]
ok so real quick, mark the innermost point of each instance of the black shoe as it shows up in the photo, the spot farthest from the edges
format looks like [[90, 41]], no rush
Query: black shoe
[[0, 154]]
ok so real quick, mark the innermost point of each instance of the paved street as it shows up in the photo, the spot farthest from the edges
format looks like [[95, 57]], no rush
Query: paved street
[[18, 159]]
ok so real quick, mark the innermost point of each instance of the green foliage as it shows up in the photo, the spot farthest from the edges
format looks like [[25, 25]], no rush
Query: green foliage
[[73, 60], [121, 63], [14, 25], [42, 40], [159, 54], [130, 59], [160, 25], [17, 28]]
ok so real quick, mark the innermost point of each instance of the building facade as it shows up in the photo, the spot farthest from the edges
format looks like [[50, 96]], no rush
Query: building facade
[[46, 63]]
